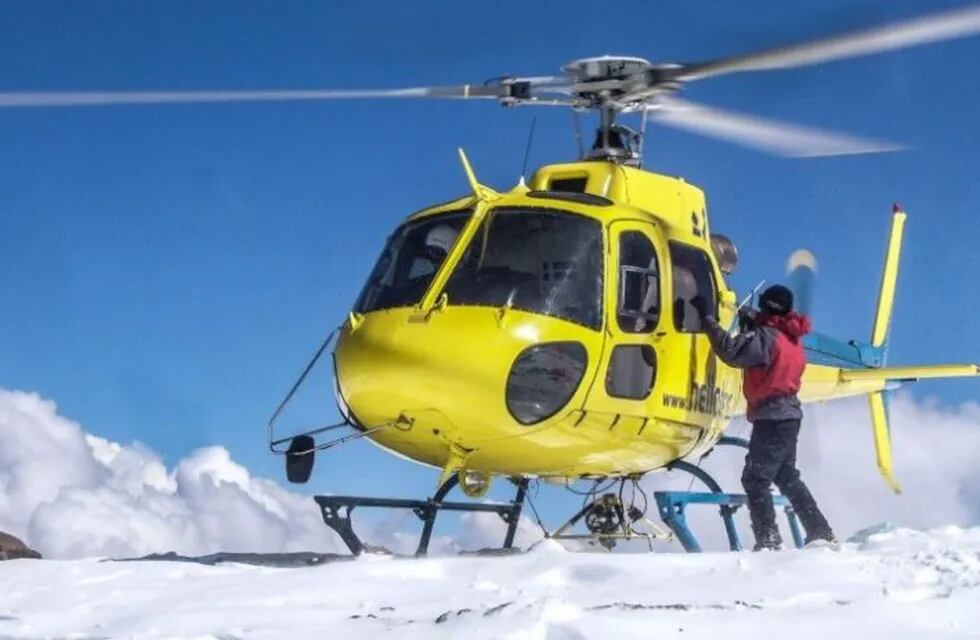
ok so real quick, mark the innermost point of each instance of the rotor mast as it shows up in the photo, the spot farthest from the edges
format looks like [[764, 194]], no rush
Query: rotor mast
[[607, 85], [615, 142]]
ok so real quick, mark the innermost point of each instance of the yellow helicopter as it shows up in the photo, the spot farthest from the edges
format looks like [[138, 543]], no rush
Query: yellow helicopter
[[550, 331]]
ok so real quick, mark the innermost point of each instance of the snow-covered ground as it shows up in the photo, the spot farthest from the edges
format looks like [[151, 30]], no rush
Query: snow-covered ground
[[895, 584]]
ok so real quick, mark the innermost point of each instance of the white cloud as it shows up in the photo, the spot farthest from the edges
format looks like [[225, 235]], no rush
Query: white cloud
[[70, 494], [935, 450], [481, 530]]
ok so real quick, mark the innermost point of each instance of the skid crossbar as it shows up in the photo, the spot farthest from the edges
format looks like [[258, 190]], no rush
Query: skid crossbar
[[672, 505], [336, 511]]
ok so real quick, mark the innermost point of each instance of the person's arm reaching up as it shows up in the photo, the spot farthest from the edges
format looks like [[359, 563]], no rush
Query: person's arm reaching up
[[750, 349]]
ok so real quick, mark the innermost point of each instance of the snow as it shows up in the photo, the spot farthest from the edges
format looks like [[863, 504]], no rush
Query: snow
[[889, 583]]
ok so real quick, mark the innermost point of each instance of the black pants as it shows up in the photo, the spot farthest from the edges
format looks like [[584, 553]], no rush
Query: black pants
[[772, 459]]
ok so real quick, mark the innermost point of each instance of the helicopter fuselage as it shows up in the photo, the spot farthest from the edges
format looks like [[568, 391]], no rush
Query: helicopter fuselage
[[558, 337]]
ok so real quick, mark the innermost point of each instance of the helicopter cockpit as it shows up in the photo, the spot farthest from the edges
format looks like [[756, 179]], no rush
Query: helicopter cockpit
[[540, 260], [408, 263]]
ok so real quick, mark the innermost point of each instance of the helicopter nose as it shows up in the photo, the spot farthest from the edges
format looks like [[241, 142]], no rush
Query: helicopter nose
[[470, 376]]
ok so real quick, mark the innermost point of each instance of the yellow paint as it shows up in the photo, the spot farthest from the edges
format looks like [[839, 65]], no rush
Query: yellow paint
[[883, 443], [442, 368], [910, 373], [479, 190], [886, 298]]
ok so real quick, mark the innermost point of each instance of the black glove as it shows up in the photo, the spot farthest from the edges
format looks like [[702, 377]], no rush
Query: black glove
[[701, 307], [746, 319]]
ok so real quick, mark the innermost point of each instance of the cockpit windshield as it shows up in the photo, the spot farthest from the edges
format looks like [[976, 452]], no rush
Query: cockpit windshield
[[539, 260], [410, 259]]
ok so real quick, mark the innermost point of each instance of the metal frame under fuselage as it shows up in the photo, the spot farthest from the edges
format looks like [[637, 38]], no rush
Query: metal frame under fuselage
[[672, 506]]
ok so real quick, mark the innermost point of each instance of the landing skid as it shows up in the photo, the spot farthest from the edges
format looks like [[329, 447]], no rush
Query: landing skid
[[606, 517], [337, 510]]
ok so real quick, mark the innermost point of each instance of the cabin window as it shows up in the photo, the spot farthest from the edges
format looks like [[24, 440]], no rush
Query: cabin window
[[409, 261], [639, 284], [632, 370], [538, 260], [693, 279]]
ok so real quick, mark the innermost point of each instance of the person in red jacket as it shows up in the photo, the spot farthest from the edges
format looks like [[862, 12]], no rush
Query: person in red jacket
[[772, 360]]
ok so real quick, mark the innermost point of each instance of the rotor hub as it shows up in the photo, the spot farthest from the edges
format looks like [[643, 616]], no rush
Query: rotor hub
[[620, 82], [612, 85], [606, 68]]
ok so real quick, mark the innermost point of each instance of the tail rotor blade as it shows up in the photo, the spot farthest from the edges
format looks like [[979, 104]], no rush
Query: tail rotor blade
[[771, 136], [801, 271]]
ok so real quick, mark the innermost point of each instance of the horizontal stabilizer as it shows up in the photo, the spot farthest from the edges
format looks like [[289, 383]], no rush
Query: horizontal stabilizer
[[910, 373]]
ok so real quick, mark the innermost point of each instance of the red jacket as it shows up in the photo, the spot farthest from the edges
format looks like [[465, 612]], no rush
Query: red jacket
[[773, 360], [782, 376]]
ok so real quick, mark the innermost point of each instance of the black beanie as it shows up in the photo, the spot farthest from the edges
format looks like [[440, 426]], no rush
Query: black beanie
[[777, 300]]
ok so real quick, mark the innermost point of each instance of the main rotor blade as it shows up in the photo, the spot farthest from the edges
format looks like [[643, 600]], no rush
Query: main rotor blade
[[102, 98], [933, 28], [772, 136]]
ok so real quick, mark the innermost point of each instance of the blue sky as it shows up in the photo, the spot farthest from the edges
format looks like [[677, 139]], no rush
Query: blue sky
[[166, 270]]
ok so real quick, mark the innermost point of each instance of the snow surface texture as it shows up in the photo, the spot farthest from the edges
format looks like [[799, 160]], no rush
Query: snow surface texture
[[893, 585], [69, 494]]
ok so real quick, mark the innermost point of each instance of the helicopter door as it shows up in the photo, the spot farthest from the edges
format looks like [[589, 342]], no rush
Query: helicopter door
[[695, 392], [628, 371]]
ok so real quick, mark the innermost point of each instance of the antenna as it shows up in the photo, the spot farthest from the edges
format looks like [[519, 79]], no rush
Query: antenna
[[527, 150], [468, 170], [479, 191]]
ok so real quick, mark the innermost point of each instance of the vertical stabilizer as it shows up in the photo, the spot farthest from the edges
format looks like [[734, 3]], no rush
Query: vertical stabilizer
[[883, 440], [889, 276], [879, 338]]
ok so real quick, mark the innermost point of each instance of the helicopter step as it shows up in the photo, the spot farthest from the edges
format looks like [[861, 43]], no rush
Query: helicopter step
[[336, 511]]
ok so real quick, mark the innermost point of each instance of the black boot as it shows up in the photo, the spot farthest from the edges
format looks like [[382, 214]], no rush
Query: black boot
[[824, 535], [768, 540]]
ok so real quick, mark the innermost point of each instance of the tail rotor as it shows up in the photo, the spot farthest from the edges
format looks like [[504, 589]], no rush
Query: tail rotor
[[801, 271]]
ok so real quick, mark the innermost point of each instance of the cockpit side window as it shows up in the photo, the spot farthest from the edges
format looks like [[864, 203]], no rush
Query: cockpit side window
[[693, 279], [639, 284], [409, 262]]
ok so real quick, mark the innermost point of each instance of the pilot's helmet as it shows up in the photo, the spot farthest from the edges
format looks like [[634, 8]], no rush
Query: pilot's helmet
[[439, 241]]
